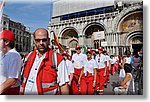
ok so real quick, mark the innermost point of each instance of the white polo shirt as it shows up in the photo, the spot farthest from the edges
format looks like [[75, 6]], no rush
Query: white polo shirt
[[90, 66], [79, 60], [65, 68], [100, 59], [10, 66], [108, 59]]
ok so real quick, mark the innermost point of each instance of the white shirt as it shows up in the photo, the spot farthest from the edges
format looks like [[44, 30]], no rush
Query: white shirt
[[79, 60], [112, 61], [31, 87], [65, 68], [116, 58], [10, 66], [90, 66], [127, 60], [108, 59], [100, 61]]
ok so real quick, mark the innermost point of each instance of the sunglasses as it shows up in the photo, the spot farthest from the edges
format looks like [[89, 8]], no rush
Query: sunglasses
[[43, 40], [78, 49]]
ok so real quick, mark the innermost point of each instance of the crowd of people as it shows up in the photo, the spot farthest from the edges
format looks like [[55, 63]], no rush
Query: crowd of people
[[44, 71]]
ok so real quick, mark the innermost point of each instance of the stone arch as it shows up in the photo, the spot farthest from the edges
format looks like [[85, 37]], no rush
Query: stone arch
[[68, 28], [67, 35], [132, 35], [88, 34], [135, 41], [124, 14], [95, 23]]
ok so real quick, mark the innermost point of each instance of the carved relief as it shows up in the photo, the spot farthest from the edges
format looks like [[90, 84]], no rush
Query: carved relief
[[132, 23]]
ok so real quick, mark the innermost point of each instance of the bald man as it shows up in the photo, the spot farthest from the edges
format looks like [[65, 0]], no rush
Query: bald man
[[40, 75]]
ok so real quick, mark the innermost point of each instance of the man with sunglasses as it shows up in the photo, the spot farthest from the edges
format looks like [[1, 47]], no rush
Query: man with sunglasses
[[40, 73], [10, 64], [79, 61]]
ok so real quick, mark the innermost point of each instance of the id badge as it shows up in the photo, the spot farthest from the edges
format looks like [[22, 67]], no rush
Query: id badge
[[77, 65], [30, 84]]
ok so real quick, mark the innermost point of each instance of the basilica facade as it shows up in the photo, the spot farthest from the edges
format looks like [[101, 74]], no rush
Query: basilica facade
[[116, 25]]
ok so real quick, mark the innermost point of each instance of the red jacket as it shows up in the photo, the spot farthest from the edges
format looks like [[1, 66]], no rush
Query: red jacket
[[46, 77]]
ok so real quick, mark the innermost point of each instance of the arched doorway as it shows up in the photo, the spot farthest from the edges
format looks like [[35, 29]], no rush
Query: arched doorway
[[69, 39], [90, 34], [135, 41], [131, 31]]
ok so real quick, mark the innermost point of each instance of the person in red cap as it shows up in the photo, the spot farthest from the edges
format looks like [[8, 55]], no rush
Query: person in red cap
[[79, 61], [66, 64], [101, 70], [88, 79], [10, 64]]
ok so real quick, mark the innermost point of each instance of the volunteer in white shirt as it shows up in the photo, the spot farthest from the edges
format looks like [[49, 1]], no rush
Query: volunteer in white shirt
[[112, 61], [108, 67], [101, 71], [116, 65], [10, 64], [67, 67], [79, 61], [88, 79]]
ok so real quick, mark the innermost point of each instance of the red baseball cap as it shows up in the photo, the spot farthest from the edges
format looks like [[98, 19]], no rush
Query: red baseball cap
[[65, 53], [89, 50], [101, 48], [6, 34], [78, 47]]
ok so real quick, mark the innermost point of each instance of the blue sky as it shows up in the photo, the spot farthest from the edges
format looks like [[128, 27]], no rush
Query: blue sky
[[30, 13]]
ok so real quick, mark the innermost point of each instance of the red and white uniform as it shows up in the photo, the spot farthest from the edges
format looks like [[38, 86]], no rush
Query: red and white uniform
[[108, 67], [116, 59], [66, 67], [86, 84], [44, 80], [79, 62], [112, 61], [101, 77]]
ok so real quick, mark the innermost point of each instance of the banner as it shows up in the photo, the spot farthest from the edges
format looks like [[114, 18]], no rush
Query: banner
[[99, 35]]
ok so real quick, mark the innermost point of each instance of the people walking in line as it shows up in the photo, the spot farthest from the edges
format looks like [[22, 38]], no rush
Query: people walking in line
[[40, 71], [10, 64]]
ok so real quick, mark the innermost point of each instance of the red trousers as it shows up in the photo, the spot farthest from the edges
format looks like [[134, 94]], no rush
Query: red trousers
[[74, 84], [101, 79], [86, 84], [12, 91], [107, 74], [116, 67]]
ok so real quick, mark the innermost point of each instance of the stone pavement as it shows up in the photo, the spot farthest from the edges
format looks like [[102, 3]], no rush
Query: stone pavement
[[113, 83]]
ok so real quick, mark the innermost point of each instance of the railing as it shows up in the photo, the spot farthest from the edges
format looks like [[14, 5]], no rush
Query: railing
[[87, 18]]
